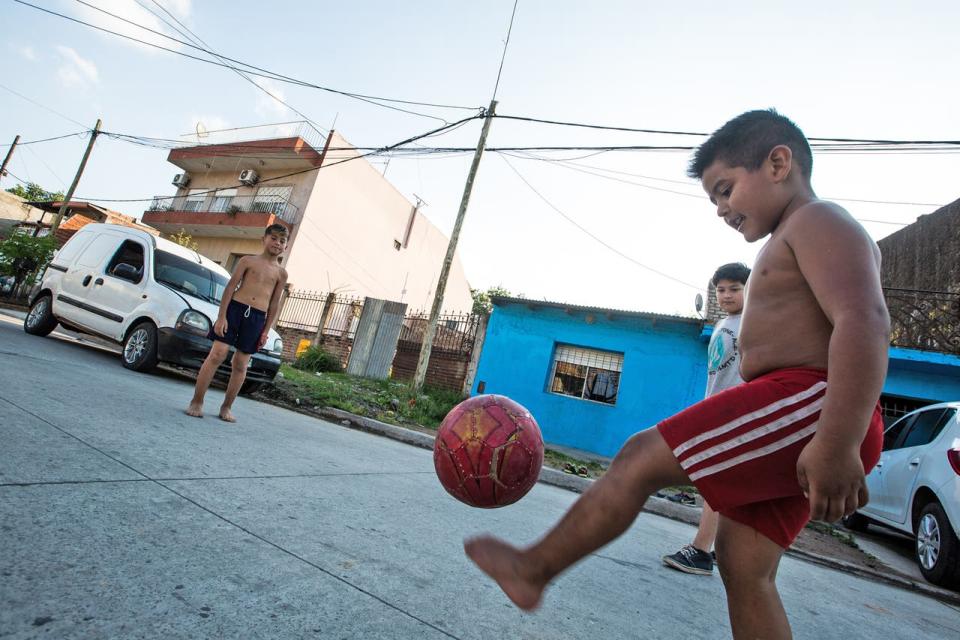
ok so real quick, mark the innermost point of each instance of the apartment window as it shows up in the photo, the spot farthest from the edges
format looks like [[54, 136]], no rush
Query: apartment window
[[222, 200], [194, 200], [272, 199], [589, 374]]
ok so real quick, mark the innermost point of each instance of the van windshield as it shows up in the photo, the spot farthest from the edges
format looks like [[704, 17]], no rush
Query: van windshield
[[188, 277]]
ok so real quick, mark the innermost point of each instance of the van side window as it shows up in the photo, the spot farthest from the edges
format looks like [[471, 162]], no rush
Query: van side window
[[98, 250], [131, 253]]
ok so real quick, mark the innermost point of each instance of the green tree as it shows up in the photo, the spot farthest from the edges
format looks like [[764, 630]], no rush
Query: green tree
[[184, 239], [22, 256], [481, 299], [35, 193]]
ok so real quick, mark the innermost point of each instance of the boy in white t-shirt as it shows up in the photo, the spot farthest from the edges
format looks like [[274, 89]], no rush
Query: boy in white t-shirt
[[723, 372]]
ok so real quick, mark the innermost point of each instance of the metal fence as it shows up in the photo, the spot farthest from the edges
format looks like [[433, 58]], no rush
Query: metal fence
[[339, 316], [926, 320]]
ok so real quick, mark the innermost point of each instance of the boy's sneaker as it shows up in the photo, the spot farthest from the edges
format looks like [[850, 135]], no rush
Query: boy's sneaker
[[690, 560]]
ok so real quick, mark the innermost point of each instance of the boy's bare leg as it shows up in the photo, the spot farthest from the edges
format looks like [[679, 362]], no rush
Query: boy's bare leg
[[238, 373], [707, 529], [748, 564], [602, 513], [218, 353]]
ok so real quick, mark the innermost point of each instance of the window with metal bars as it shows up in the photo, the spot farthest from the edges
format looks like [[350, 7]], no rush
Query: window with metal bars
[[588, 374]]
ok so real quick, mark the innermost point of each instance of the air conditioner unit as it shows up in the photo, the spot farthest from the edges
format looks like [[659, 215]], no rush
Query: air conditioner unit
[[181, 179], [249, 177]]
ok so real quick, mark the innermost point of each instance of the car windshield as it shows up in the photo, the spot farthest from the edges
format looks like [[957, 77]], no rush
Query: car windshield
[[188, 277]]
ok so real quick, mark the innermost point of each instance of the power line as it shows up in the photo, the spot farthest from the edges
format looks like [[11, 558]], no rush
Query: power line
[[596, 238], [505, 45], [42, 106], [261, 72], [66, 135], [378, 151], [702, 134]]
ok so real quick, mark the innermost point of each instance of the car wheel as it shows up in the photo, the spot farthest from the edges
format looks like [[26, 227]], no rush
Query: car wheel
[[40, 320], [140, 348], [249, 388], [937, 550], [856, 522]]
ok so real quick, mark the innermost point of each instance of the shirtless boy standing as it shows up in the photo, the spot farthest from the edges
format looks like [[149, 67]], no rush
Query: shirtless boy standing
[[787, 445], [249, 308]]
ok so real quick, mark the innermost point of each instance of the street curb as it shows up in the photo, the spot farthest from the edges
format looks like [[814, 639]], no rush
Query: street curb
[[657, 506]]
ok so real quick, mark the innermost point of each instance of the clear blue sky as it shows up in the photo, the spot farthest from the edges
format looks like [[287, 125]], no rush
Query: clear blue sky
[[853, 69]]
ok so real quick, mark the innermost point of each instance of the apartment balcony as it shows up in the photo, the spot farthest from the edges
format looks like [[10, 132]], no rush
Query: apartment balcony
[[284, 146], [219, 216]]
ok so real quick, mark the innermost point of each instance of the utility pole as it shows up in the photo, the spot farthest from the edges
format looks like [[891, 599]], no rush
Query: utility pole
[[428, 336], [6, 161], [76, 179]]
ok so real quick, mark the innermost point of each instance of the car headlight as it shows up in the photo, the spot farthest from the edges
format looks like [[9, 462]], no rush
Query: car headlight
[[277, 346], [194, 322]]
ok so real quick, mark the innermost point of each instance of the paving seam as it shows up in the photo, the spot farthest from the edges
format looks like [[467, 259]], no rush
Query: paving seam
[[238, 526], [43, 483]]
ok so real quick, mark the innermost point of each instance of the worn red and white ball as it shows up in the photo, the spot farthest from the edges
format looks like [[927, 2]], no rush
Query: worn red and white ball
[[488, 452]]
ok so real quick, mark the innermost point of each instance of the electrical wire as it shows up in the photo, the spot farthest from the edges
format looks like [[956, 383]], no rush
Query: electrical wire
[[378, 151], [66, 135], [592, 235], [506, 44], [259, 71], [42, 106]]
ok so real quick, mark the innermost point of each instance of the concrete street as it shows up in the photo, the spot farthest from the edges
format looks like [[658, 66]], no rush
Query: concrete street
[[121, 517]]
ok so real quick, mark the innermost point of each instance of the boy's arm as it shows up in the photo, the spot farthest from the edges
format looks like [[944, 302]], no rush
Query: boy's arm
[[220, 326], [274, 309], [841, 265]]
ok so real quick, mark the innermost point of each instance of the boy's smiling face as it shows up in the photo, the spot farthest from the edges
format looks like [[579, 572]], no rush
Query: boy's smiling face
[[748, 201]]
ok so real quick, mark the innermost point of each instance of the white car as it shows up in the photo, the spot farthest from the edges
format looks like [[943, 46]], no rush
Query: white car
[[151, 295], [915, 488]]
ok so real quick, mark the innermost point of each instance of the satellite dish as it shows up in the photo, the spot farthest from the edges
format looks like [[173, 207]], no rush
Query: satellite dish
[[201, 131], [698, 302]]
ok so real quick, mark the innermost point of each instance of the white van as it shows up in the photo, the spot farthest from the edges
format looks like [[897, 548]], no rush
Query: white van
[[153, 296]]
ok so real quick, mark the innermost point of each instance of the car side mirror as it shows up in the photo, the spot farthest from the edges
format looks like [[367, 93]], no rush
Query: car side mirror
[[126, 271]]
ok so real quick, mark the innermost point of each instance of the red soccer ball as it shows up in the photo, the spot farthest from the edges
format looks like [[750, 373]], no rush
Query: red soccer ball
[[488, 451]]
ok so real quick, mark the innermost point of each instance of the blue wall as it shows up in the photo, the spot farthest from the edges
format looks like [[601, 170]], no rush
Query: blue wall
[[664, 370]]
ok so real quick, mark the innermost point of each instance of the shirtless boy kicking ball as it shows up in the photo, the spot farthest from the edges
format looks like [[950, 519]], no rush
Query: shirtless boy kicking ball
[[249, 308], [787, 445]]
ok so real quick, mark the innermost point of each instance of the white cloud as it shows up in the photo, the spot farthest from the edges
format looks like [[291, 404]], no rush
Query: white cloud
[[267, 107], [130, 10], [26, 52], [76, 71]]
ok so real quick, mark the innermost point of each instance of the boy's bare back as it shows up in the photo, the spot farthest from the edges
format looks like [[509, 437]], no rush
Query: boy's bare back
[[259, 278], [817, 246]]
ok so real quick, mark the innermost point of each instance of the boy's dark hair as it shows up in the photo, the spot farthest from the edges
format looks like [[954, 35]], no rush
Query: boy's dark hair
[[277, 228], [735, 271], [746, 141]]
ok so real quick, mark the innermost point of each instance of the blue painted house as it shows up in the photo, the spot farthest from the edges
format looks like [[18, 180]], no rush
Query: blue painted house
[[592, 377]]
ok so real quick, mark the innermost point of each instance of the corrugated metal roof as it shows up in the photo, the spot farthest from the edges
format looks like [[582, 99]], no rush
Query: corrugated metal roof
[[502, 300]]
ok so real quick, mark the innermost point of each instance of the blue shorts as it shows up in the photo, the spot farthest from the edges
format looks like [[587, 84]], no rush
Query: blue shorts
[[244, 327]]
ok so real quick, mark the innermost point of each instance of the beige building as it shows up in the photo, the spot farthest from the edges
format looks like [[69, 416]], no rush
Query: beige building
[[351, 231]]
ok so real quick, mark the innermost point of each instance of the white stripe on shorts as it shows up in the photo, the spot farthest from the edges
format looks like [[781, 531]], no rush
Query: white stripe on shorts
[[780, 423], [756, 453], [742, 420]]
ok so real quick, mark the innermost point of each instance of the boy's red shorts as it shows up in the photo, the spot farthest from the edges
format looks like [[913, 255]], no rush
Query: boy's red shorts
[[740, 448]]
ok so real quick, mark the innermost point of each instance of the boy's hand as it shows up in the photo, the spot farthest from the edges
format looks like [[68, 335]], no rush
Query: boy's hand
[[831, 476], [263, 339], [220, 327]]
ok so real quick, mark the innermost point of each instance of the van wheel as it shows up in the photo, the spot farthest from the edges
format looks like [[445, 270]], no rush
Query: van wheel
[[40, 321], [140, 348], [937, 550]]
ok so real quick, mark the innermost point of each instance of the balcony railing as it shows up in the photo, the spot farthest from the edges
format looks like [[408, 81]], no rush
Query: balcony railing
[[277, 205], [926, 320]]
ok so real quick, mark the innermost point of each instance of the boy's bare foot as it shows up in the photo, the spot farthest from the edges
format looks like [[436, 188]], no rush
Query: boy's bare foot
[[504, 564], [226, 415], [195, 410]]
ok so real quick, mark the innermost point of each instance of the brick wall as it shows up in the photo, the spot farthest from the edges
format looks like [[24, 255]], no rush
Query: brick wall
[[333, 344], [446, 370]]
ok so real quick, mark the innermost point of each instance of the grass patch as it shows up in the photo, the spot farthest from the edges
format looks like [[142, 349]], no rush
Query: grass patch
[[830, 530], [385, 400]]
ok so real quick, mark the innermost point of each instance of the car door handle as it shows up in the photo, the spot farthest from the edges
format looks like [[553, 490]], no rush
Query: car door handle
[[914, 463], [87, 280], [879, 464], [98, 281]]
